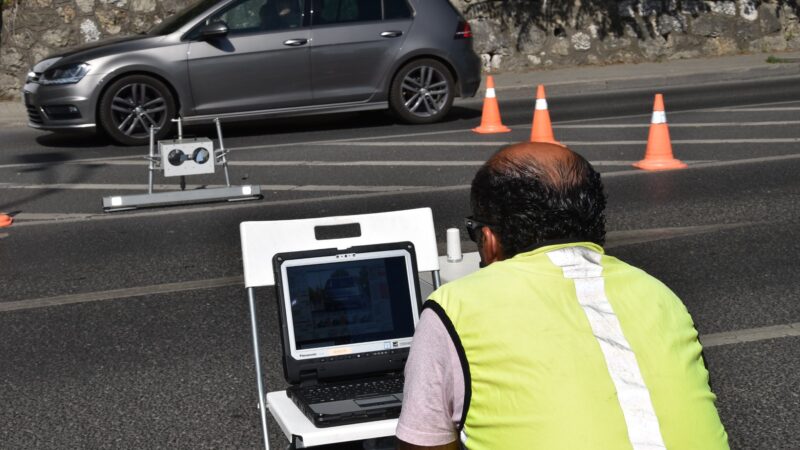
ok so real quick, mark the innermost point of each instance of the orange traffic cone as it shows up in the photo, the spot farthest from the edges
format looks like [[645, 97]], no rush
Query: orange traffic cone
[[659, 147], [542, 130], [6, 220], [490, 120]]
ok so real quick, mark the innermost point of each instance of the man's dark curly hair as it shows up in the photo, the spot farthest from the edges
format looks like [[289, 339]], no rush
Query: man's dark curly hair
[[528, 198]]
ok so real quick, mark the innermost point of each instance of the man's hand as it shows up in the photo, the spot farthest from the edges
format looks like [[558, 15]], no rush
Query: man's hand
[[402, 445]]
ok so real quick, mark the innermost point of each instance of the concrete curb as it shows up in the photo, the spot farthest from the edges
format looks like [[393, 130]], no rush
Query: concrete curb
[[659, 75]]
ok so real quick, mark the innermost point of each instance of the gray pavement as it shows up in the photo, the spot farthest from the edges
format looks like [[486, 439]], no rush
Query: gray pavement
[[131, 330], [590, 79]]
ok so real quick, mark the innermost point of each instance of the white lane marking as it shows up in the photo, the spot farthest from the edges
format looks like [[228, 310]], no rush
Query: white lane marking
[[750, 335], [416, 134], [565, 124], [398, 163], [120, 293], [365, 138], [467, 144], [785, 108], [82, 161], [615, 239], [707, 340], [624, 238], [163, 187], [681, 125], [26, 219], [672, 113]]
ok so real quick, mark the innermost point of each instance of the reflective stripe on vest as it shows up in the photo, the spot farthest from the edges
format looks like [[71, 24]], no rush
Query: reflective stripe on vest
[[583, 266]]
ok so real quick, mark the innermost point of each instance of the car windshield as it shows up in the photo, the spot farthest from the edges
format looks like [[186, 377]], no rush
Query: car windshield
[[173, 23]]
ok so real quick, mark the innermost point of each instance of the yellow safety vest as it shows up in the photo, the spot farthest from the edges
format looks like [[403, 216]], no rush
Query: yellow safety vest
[[564, 347]]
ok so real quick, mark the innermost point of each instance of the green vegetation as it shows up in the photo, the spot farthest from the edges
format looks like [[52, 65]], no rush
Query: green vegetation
[[771, 59]]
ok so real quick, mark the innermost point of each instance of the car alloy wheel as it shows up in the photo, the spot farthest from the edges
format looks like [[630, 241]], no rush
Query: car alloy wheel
[[422, 91], [132, 105]]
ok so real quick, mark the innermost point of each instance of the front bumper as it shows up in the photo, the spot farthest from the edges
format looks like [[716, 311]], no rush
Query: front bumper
[[65, 107]]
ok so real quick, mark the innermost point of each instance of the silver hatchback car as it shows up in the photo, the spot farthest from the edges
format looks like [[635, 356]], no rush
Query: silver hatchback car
[[251, 58]]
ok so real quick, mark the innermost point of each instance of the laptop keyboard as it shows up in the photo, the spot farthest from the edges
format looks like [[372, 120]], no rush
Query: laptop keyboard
[[331, 392]]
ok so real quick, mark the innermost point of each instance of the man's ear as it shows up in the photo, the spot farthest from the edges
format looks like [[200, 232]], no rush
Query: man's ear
[[490, 248]]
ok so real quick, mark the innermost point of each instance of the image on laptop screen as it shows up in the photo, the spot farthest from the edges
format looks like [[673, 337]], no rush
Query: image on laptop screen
[[349, 303]]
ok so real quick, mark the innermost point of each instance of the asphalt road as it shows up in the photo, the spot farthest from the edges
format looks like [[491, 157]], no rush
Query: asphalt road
[[130, 329]]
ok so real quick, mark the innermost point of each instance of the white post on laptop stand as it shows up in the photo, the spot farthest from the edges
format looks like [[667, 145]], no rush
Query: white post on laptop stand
[[262, 406]]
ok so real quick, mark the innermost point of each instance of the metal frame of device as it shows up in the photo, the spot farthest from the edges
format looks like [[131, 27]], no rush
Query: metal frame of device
[[158, 160]]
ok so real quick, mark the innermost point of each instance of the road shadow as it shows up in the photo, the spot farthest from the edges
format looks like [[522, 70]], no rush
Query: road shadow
[[315, 123], [73, 139], [253, 127], [46, 165]]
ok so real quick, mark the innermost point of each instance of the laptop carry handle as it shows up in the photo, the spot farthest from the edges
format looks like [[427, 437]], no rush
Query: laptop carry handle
[[261, 241]]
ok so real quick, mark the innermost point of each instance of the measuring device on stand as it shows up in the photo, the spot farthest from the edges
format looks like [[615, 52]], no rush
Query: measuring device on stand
[[184, 157]]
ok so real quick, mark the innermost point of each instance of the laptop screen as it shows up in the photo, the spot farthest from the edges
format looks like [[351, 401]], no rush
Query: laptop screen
[[346, 304]]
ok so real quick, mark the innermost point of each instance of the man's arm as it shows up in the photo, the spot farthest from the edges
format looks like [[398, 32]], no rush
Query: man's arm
[[433, 376], [402, 445]]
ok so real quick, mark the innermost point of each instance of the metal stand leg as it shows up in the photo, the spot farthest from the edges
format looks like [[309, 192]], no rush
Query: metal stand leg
[[223, 154], [180, 127], [151, 159], [261, 395], [437, 280]]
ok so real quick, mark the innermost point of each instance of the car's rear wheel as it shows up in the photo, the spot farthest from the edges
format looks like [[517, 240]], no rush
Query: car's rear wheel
[[422, 91], [131, 105]]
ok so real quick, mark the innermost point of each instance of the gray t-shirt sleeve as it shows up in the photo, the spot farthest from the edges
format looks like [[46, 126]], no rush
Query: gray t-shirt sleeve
[[433, 396]]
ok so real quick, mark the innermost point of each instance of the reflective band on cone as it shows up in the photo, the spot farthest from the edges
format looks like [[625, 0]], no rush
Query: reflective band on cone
[[541, 104]]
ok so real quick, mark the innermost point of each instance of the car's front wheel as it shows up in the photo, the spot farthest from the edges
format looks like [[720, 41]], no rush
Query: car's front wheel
[[422, 91], [131, 105]]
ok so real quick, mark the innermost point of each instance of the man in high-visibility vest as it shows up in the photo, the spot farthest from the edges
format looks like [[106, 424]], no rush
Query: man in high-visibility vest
[[553, 344]]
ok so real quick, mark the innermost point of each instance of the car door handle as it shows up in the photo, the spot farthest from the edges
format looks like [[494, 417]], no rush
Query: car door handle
[[391, 34], [295, 42]]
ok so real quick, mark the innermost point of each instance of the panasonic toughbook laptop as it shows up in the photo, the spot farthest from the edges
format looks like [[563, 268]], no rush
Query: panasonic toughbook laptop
[[347, 319]]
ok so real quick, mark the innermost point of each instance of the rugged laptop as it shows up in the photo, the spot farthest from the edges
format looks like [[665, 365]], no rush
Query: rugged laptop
[[347, 319]]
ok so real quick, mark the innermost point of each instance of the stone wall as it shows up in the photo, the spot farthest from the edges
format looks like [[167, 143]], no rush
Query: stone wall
[[33, 29], [509, 34], [524, 34]]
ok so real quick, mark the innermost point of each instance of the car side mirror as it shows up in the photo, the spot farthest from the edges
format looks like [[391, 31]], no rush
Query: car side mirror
[[214, 30]]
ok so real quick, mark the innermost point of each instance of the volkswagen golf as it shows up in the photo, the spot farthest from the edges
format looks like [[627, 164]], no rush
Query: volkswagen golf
[[237, 59]]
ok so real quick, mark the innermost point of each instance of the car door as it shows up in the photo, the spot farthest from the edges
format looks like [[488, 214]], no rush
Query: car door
[[353, 47], [262, 62]]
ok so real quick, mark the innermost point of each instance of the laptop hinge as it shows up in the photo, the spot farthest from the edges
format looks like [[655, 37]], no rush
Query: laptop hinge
[[308, 377]]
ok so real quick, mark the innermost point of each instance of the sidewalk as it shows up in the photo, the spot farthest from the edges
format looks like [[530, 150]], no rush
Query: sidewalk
[[586, 79]]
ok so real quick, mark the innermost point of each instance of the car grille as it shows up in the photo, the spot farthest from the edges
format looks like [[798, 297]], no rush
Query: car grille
[[33, 114]]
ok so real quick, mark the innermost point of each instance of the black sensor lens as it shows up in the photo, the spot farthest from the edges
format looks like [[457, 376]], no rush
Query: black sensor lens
[[176, 157], [200, 155]]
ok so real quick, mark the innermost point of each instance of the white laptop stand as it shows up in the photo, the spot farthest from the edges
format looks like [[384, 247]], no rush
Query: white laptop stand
[[261, 241]]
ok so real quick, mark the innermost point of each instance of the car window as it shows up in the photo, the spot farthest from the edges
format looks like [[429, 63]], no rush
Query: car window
[[342, 11], [248, 16], [175, 22], [396, 9]]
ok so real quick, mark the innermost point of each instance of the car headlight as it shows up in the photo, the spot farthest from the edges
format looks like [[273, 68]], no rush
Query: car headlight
[[64, 75]]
